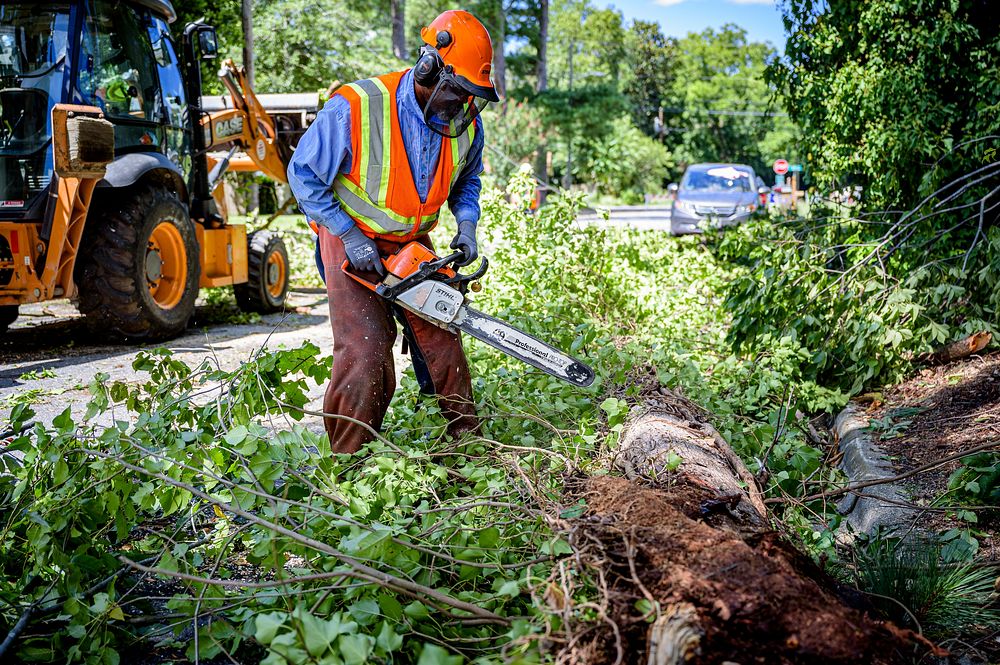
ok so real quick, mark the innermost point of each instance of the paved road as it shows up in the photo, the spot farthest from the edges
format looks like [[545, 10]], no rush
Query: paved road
[[49, 350], [638, 217]]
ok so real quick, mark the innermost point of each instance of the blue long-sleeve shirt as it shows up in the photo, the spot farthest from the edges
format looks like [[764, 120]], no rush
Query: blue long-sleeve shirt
[[324, 151]]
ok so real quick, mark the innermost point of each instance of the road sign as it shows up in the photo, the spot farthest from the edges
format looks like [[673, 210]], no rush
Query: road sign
[[781, 166], [795, 168]]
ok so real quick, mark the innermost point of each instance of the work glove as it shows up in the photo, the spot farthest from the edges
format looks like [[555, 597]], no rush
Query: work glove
[[466, 241], [361, 251]]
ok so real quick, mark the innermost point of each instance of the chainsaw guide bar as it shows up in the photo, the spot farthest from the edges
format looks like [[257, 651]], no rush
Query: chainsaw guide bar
[[419, 281]]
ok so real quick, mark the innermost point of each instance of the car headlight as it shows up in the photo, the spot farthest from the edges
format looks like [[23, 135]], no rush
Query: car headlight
[[747, 208], [684, 205]]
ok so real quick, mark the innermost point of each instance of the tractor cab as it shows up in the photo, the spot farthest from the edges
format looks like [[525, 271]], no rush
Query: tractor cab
[[109, 54], [115, 61]]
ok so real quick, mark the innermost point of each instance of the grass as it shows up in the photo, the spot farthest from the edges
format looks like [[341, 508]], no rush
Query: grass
[[911, 583]]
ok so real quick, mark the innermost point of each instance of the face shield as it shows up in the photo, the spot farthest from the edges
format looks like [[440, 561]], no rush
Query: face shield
[[451, 108]]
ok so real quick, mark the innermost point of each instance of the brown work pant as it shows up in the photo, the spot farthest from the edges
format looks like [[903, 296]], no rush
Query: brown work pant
[[363, 378]]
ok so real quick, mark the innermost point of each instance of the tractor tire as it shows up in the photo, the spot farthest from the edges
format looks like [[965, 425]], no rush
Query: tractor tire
[[138, 269], [267, 285], [8, 315]]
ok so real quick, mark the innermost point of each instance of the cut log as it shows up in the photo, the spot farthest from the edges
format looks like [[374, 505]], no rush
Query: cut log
[[692, 571], [963, 348]]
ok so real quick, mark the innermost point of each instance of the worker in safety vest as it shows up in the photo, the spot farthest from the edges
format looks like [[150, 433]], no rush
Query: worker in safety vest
[[372, 173]]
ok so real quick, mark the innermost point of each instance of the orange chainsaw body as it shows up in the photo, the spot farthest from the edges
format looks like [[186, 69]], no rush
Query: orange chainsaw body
[[407, 261], [401, 265]]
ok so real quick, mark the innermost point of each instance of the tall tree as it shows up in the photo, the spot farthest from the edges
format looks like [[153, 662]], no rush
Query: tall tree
[[720, 107], [397, 10], [890, 93], [542, 82], [300, 48], [649, 75]]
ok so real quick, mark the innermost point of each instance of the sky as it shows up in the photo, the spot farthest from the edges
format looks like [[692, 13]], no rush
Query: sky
[[760, 18]]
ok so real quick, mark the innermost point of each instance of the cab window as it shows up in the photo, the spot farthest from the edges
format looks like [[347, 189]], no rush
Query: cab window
[[117, 68], [169, 70]]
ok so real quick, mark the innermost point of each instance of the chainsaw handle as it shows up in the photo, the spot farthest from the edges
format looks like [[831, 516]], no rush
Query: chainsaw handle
[[346, 269], [443, 261]]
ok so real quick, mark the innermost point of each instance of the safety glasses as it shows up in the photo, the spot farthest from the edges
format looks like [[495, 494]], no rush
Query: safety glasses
[[450, 109]]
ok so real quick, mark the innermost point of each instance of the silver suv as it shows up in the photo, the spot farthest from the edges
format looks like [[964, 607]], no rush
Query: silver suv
[[713, 196]]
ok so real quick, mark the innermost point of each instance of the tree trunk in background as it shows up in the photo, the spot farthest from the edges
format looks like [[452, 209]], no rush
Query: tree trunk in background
[[541, 85], [543, 37], [500, 57], [567, 179], [398, 12], [246, 15]]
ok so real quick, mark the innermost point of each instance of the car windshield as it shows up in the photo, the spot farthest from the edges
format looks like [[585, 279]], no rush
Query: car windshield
[[33, 67], [716, 179]]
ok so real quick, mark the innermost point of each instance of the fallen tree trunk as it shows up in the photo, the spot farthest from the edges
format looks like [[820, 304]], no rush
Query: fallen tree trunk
[[963, 348], [693, 573]]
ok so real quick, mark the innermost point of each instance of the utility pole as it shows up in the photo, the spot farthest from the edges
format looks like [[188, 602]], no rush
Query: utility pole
[[246, 16]]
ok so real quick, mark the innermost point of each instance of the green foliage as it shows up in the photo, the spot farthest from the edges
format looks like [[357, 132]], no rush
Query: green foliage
[[303, 47], [882, 89], [610, 163], [513, 132], [718, 87], [649, 77], [977, 480], [857, 316], [910, 583], [586, 44], [218, 305], [210, 474]]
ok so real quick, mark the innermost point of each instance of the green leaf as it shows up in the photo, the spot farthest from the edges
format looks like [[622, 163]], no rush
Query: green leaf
[[509, 588], [432, 654], [390, 606], [355, 648], [388, 640], [365, 611], [489, 537], [236, 435], [416, 610], [268, 625]]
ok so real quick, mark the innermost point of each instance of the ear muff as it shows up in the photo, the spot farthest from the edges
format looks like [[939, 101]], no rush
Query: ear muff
[[428, 67], [443, 39]]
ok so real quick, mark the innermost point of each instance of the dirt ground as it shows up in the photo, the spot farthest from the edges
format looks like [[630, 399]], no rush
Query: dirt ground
[[757, 600], [941, 411]]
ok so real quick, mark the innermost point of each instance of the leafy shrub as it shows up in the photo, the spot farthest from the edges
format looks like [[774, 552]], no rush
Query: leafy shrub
[[977, 480], [818, 282], [626, 160]]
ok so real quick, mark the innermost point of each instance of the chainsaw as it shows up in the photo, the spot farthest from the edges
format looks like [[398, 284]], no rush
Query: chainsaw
[[418, 280]]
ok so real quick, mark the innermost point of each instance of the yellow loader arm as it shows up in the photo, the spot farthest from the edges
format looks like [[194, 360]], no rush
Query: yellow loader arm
[[248, 126]]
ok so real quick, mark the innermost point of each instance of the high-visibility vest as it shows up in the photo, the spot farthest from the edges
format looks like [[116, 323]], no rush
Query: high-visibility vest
[[379, 192]]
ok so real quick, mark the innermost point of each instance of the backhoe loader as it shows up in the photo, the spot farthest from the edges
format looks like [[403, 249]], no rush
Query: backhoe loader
[[111, 170]]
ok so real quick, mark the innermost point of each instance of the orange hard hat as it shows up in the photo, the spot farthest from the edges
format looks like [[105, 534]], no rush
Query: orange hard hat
[[464, 44]]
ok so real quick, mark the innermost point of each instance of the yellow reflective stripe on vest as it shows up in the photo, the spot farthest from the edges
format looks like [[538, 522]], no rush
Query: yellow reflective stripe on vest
[[375, 108], [460, 147], [374, 119], [381, 220]]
